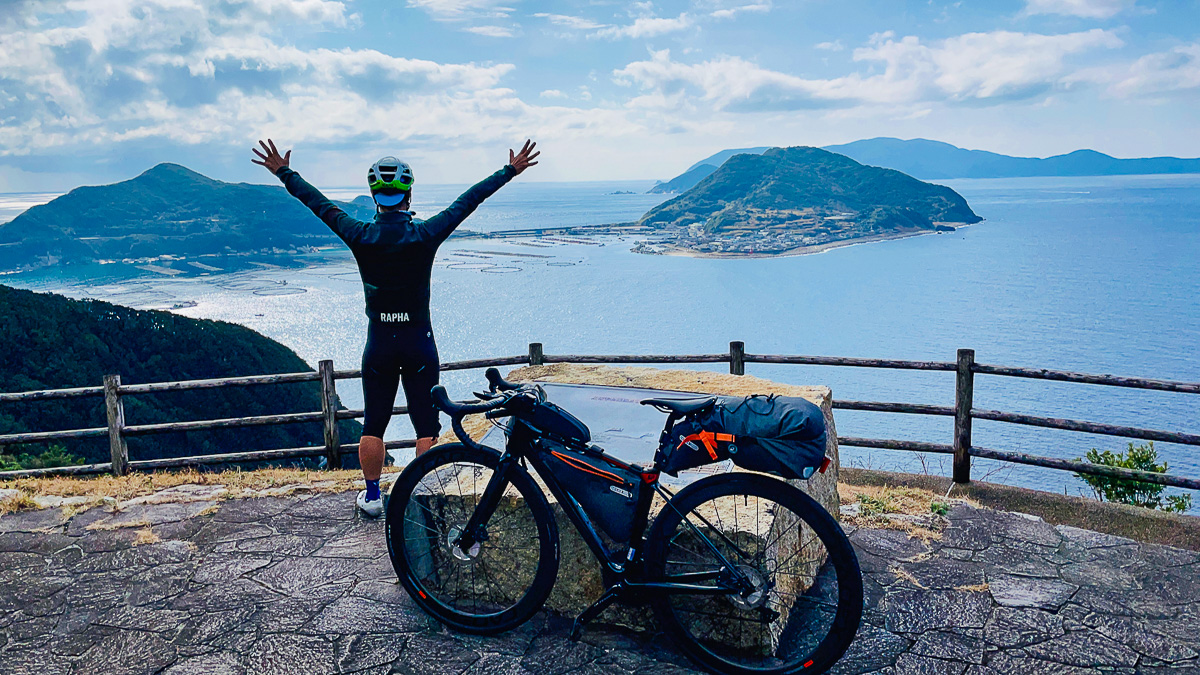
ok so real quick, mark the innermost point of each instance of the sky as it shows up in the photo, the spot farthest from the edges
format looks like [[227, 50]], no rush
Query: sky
[[96, 91]]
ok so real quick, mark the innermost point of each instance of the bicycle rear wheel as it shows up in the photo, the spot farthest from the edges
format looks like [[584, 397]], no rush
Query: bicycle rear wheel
[[795, 601], [498, 583]]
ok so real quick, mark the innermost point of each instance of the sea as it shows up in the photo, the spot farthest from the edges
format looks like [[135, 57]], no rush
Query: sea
[[1092, 274]]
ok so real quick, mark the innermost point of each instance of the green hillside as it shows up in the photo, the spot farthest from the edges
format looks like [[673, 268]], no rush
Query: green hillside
[[50, 342], [684, 181], [169, 209], [809, 190]]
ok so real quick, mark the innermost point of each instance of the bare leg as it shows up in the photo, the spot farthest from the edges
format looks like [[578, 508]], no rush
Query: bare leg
[[424, 444], [370, 456]]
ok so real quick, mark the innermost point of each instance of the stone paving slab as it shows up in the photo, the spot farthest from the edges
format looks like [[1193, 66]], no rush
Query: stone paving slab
[[303, 585]]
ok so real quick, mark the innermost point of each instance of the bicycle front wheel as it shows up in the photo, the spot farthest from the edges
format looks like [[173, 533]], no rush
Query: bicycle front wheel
[[776, 585], [494, 585]]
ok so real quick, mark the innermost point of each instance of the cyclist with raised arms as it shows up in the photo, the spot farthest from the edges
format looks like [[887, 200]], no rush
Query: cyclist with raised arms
[[395, 258]]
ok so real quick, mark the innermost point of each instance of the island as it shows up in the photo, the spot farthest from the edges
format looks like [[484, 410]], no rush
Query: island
[[936, 160], [166, 212], [796, 200]]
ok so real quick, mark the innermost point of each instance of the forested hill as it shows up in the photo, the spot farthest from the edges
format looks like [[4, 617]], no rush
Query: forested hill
[[50, 342], [810, 189], [169, 209]]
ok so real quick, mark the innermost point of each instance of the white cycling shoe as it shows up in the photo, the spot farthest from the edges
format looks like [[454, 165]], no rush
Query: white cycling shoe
[[373, 508]]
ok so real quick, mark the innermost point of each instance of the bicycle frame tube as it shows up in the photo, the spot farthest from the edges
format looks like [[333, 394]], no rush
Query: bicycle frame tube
[[580, 519], [626, 573]]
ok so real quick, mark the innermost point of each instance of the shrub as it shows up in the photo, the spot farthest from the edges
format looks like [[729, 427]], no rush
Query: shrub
[[1130, 491], [57, 455]]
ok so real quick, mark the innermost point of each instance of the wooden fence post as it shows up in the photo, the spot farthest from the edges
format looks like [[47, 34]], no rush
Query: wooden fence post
[[536, 358], [737, 358], [333, 444], [964, 392], [115, 411]]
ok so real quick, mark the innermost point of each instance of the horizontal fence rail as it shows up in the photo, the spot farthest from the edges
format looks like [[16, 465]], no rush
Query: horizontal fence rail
[[962, 411], [911, 408], [647, 358], [1109, 380], [80, 392], [1088, 427], [848, 361]]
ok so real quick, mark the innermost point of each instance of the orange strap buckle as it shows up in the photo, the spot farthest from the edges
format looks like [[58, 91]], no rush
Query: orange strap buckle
[[709, 440]]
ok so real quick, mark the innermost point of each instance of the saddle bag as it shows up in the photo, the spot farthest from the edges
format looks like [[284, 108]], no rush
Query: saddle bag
[[781, 435], [607, 491]]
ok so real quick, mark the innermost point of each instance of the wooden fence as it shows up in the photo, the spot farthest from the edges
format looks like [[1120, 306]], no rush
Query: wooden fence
[[963, 411]]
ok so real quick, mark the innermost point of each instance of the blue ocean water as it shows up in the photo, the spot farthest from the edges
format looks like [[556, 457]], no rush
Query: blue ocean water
[[1095, 275]]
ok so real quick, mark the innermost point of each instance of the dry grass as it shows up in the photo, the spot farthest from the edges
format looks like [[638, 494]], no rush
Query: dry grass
[[146, 536], [901, 573], [912, 510], [109, 525], [122, 488], [16, 503]]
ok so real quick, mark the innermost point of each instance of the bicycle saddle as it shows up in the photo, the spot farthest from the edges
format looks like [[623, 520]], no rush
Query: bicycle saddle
[[681, 406]]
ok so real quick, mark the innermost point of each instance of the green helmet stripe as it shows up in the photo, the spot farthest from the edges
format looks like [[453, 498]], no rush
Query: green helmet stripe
[[399, 184]]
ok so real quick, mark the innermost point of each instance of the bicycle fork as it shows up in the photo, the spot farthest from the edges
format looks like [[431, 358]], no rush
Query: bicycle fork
[[475, 530]]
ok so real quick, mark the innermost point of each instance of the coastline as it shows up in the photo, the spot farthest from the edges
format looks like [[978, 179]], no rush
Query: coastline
[[800, 250]]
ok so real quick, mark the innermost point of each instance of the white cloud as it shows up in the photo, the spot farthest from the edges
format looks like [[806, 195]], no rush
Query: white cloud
[[572, 22], [1089, 9], [976, 67], [1175, 70], [731, 12], [109, 92], [646, 26], [835, 46], [490, 31], [457, 10], [190, 71]]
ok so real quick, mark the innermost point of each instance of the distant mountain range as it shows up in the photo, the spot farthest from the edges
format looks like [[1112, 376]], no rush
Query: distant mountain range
[[169, 209], [936, 160], [788, 198]]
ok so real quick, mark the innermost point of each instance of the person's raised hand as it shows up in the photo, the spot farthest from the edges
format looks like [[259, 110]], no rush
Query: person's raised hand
[[272, 160], [524, 159]]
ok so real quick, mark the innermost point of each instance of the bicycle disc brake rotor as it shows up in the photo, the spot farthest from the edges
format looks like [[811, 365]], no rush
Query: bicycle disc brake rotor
[[758, 597], [465, 556]]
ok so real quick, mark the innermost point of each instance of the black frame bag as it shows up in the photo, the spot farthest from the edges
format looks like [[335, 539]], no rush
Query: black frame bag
[[611, 491], [781, 435]]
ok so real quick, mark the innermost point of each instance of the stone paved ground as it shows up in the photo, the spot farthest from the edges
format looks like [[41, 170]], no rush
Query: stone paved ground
[[284, 585]]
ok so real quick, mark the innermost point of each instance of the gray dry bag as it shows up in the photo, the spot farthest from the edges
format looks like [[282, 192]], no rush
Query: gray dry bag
[[782, 435]]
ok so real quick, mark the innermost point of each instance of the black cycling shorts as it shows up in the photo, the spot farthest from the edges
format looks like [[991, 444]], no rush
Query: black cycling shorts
[[400, 352]]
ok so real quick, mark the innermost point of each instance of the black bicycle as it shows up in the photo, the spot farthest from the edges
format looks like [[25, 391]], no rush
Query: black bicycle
[[745, 572]]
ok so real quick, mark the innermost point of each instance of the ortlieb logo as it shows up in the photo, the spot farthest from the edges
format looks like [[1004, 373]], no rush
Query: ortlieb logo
[[393, 316], [624, 493]]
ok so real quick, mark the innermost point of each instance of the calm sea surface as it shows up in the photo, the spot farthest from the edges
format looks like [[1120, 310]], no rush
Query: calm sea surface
[[1097, 275]]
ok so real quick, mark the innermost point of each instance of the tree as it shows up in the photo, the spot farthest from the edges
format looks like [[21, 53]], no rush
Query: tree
[[56, 455], [1130, 491]]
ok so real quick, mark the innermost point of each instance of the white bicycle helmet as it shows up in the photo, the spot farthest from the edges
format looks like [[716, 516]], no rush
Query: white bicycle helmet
[[389, 180]]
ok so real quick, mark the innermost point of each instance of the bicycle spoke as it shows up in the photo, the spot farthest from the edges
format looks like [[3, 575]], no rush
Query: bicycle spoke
[[492, 575], [786, 596]]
